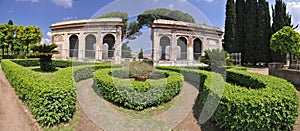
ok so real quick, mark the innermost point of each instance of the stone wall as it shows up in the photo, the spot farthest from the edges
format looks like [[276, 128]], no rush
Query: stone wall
[[290, 75]]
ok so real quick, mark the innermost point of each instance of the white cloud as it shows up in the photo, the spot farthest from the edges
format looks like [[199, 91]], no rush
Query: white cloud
[[209, 1], [64, 3], [294, 9], [47, 39], [155, 0], [171, 6], [70, 18], [182, 0]]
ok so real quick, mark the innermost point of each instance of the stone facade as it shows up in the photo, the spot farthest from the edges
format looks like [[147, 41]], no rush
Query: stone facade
[[181, 43], [173, 42], [91, 39]]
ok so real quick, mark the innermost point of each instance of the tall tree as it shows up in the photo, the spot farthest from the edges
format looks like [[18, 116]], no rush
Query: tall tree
[[230, 28], [280, 19], [240, 26], [263, 32], [29, 35], [11, 39], [126, 51], [141, 54], [250, 45]]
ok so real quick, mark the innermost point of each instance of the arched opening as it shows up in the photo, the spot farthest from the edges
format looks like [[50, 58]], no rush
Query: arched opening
[[73, 48], [109, 42], [197, 48], [182, 44], [164, 43], [90, 46]]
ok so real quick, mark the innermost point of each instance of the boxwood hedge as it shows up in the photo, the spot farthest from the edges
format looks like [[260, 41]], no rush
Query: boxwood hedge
[[57, 63], [250, 101], [50, 101], [138, 95]]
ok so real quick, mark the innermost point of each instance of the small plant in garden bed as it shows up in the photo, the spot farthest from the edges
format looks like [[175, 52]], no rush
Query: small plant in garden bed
[[44, 52]]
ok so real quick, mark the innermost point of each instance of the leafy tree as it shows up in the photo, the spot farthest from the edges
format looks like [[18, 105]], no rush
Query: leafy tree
[[146, 18], [216, 53], [126, 51], [285, 41], [11, 36], [280, 19], [29, 35], [117, 14], [230, 24], [44, 52], [141, 54], [6, 36], [263, 32]]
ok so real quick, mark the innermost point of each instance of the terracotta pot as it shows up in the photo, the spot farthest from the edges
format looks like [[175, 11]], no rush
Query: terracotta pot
[[141, 78]]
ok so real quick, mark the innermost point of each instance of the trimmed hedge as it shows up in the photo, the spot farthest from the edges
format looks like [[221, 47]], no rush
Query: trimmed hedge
[[50, 101], [264, 103], [138, 95], [56, 63]]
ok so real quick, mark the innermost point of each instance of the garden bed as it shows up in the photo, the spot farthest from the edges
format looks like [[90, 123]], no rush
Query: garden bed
[[267, 103], [137, 95]]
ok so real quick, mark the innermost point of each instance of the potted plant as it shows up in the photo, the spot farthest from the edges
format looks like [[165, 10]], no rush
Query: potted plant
[[140, 71]]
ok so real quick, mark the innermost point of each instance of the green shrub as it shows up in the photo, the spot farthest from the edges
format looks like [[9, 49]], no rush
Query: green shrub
[[51, 102], [138, 95], [56, 63], [27, 62], [268, 103]]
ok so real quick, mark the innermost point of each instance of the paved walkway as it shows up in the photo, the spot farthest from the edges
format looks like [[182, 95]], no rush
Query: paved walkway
[[13, 114], [98, 110]]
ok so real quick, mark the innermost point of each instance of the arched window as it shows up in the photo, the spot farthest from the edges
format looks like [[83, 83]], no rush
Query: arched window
[[197, 48], [109, 39], [182, 43], [164, 43], [90, 44], [73, 48]]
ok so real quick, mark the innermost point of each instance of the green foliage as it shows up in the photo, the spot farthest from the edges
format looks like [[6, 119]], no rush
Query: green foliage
[[146, 18], [217, 56], [240, 26], [117, 14], [286, 40], [253, 102], [137, 95], [140, 68], [50, 101], [28, 35], [280, 19], [230, 28], [45, 52], [126, 51], [263, 31]]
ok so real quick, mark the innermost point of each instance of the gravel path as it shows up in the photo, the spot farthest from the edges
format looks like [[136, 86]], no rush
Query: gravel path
[[98, 110], [13, 114]]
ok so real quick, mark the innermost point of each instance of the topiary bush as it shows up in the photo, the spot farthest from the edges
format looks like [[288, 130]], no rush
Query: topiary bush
[[250, 101], [50, 101], [137, 95]]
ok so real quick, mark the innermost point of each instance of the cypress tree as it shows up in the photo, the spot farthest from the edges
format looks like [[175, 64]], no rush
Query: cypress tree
[[280, 19], [250, 45], [263, 32], [230, 23], [240, 26]]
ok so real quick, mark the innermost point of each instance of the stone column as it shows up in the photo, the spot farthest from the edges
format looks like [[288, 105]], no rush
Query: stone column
[[66, 47], [173, 49], [81, 46], [205, 46], [118, 48], [99, 47], [190, 50], [155, 48]]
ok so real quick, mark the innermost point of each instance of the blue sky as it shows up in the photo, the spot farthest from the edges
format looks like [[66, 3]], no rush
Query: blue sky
[[43, 13]]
